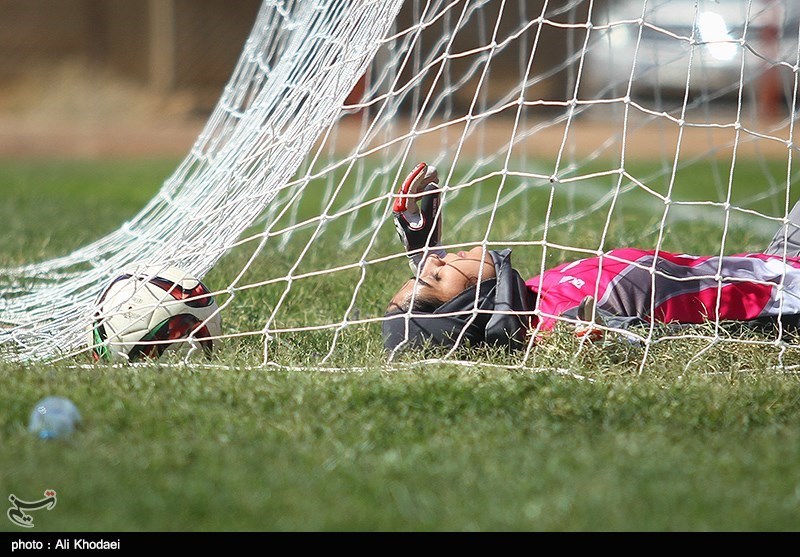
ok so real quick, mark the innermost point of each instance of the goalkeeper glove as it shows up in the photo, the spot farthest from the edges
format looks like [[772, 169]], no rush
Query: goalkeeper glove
[[418, 219]]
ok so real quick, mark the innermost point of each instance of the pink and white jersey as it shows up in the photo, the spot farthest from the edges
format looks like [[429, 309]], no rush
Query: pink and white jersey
[[672, 287]]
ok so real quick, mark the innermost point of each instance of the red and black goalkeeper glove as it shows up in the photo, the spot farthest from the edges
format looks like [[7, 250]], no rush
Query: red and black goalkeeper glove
[[417, 218]]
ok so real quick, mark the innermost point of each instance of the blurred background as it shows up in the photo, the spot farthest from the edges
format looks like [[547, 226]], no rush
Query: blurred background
[[106, 77]]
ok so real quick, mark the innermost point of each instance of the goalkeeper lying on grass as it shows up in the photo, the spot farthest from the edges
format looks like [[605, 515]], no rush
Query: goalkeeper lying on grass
[[613, 291]]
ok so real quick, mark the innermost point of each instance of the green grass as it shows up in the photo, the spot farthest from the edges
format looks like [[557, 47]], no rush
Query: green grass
[[425, 449], [583, 440]]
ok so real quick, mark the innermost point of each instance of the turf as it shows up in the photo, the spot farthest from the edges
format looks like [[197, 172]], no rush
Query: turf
[[583, 440]]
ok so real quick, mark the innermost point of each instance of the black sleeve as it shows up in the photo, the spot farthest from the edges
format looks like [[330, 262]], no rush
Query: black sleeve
[[511, 296]]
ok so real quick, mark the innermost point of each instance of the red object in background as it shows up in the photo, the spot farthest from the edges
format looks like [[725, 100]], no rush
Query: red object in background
[[769, 83], [357, 93]]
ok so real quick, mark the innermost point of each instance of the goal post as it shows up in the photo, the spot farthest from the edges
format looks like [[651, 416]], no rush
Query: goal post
[[560, 129]]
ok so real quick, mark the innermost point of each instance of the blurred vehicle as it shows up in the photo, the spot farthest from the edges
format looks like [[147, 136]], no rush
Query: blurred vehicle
[[713, 48]]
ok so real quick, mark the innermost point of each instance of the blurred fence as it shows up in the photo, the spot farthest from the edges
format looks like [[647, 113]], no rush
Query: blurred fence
[[166, 45], [171, 46]]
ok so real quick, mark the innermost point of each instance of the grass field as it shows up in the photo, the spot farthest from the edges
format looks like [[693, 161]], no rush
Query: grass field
[[580, 441]]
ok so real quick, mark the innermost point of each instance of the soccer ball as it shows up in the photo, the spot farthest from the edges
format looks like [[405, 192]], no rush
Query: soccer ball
[[146, 311]]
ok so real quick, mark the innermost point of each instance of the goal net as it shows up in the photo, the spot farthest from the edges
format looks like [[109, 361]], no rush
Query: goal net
[[559, 129]]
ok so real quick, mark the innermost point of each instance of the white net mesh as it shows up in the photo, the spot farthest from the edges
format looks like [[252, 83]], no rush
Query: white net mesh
[[559, 129]]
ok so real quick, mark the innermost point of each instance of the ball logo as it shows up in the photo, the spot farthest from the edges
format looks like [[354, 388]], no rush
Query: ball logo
[[16, 513]]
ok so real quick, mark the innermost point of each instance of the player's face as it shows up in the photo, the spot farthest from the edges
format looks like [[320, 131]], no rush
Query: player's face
[[445, 277]]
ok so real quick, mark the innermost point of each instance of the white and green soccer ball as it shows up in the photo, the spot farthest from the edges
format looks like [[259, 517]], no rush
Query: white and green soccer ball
[[148, 310]]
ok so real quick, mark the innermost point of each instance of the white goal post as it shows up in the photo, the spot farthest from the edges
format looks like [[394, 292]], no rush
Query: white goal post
[[560, 129]]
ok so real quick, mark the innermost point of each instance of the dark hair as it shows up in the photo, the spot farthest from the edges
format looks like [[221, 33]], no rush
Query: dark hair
[[425, 303], [421, 304]]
